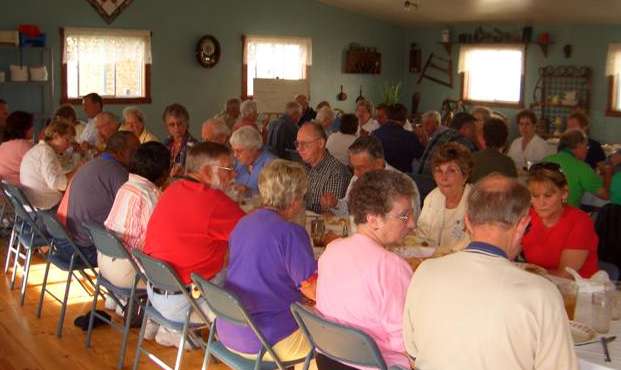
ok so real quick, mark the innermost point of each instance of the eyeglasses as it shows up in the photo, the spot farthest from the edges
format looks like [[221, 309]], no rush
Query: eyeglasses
[[545, 166], [404, 216], [304, 144]]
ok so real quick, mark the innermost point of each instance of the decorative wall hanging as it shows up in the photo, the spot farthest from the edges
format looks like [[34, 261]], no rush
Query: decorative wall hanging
[[109, 9]]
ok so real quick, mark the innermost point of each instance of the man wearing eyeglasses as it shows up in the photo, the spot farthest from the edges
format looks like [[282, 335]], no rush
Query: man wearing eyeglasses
[[325, 173], [190, 227]]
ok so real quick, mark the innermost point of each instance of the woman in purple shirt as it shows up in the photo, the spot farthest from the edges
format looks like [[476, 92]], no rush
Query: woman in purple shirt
[[271, 265]]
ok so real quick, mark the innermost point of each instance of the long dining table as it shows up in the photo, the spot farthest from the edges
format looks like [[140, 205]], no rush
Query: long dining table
[[592, 356]]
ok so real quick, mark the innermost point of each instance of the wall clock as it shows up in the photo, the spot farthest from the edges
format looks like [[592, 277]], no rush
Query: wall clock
[[208, 51]]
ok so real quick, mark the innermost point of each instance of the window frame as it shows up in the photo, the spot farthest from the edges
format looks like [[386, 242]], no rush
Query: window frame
[[499, 104], [65, 99], [244, 71], [613, 84]]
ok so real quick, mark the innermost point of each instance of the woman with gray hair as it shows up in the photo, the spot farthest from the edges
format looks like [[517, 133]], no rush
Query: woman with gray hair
[[325, 117], [272, 269], [133, 121], [251, 157], [360, 282], [248, 116]]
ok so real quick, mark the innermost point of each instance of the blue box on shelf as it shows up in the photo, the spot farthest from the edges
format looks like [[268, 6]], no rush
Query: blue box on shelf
[[36, 41]]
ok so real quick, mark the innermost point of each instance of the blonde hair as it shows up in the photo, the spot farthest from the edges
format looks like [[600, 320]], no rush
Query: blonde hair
[[60, 128], [282, 182]]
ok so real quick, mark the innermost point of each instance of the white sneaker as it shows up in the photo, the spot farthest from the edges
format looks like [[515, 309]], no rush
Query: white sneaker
[[119, 309], [169, 338], [151, 330], [110, 303]]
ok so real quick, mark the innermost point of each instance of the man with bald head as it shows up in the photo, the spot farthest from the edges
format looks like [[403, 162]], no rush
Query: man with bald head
[[326, 175], [107, 125], [215, 130], [308, 113], [475, 309]]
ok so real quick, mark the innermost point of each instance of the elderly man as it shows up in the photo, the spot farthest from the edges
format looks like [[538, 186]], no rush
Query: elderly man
[[93, 105], [475, 309], [282, 132], [133, 120], [381, 114], [249, 115], [106, 125], [231, 112], [215, 130], [325, 117], [366, 123], [461, 130], [365, 154], [4, 113], [190, 227], [251, 157], [401, 146], [325, 173], [91, 193], [430, 127], [308, 113]]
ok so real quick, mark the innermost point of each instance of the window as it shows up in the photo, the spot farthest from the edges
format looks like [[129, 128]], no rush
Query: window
[[492, 73], [114, 63], [613, 71], [286, 58]]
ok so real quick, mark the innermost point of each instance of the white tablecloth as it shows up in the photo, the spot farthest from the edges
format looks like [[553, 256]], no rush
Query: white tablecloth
[[591, 356]]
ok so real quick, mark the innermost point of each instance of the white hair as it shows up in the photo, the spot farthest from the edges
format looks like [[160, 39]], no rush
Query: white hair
[[247, 137], [248, 107], [135, 111], [437, 118], [325, 113], [220, 127]]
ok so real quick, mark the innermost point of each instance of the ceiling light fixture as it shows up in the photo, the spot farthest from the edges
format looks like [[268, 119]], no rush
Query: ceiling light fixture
[[411, 5]]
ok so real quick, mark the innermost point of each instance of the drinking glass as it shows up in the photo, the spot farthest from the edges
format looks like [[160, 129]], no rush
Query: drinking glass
[[615, 297], [601, 311], [569, 291], [318, 230]]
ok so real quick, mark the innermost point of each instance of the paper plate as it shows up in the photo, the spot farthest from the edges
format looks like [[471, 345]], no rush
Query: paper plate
[[581, 333]]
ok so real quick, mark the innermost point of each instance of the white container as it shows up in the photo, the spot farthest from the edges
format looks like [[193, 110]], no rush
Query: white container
[[584, 302], [19, 73], [38, 73], [9, 38]]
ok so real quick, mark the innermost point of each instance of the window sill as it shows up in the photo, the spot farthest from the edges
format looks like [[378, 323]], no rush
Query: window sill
[[496, 104], [613, 113]]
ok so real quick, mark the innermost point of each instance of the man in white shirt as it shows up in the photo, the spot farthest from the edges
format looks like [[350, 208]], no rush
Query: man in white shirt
[[364, 112], [365, 154], [475, 309], [93, 105]]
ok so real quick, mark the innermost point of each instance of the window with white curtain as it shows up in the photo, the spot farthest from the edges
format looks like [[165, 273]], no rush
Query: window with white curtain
[[275, 57], [115, 63], [613, 71], [492, 73]]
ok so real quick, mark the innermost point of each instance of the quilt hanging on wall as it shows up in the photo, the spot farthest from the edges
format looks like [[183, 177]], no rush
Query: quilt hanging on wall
[[109, 9]]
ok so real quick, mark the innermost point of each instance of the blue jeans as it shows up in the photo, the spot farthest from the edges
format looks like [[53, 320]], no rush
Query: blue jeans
[[64, 250]]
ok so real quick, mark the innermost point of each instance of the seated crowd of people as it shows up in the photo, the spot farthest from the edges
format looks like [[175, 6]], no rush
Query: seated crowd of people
[[179, 201]]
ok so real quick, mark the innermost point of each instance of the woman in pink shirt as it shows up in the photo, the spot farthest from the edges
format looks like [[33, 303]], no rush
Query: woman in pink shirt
[[17, 141], [362, 284]]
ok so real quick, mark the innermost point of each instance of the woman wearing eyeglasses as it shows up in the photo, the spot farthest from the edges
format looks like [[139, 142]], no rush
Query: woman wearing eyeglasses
[[441, 222], [560, 235], [362, 284], [176, 118]]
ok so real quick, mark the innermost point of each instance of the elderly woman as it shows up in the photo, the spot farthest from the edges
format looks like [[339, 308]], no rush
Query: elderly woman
[[176, 118], [325, 117], [360, 282], [529, 148], [595, 154], [133, 121], [17, 141], [271, 270], [364, 112], [338, 142], [41, 173], [441, 222], [66, 113], [251, 158], [560, 235], [249, 114]]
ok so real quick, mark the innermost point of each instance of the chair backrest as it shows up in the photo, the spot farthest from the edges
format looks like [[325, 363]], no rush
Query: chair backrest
[[221, 302], [339, 342], [53, 226], [106, 242], [18, 200], [158, 273]]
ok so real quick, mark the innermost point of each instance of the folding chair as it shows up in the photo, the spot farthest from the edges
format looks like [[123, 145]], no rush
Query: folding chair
[[77, 263], [109, 245], [226, 306], [338, 342], [161, 276], [26, 236]]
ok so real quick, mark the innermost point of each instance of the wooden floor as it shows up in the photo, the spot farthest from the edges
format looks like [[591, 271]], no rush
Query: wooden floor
[[28, 343]]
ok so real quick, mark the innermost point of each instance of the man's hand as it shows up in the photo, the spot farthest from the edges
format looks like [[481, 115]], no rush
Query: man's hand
[[176, 170], [327, 201]]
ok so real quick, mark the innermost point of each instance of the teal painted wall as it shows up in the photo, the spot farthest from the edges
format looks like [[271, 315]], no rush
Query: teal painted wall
[[176, 27], [590, 47]]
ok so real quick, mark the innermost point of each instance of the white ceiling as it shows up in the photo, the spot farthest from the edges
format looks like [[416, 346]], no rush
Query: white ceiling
[[462, 11]]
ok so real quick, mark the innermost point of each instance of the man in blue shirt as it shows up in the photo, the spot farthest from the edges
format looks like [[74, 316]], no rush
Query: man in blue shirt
[[251, 158]]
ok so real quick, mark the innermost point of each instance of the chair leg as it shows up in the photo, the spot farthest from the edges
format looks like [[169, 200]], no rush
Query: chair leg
[[43, 288], [212, 331], [140, 340], [184, 334], [25, 275], [17, 251], [129, 310], [91, 319], [10, 247], [63, 308]]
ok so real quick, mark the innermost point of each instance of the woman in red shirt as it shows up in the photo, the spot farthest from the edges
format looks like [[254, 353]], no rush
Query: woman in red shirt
[[560, 235]]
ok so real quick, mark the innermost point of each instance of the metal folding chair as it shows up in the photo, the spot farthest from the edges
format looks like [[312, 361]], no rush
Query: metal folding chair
[[338, 342], [26, 236], [77, 263], [226, 306], [109, 245], [161, 276]]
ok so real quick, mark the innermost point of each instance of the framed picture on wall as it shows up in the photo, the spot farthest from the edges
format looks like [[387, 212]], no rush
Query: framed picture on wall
[[109, 9]]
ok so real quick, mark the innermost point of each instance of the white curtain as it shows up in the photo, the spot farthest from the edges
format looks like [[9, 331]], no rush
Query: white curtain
[[613, 62], [108, 46]]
